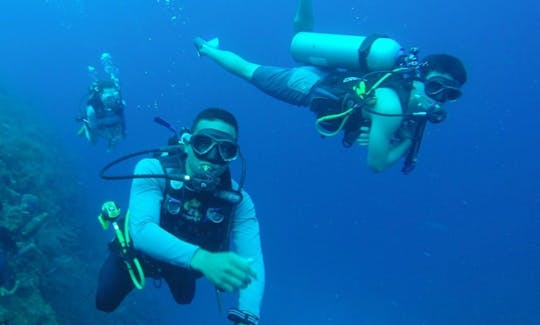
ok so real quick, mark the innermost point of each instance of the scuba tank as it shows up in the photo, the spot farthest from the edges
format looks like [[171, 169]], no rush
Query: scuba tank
[[371, 53]]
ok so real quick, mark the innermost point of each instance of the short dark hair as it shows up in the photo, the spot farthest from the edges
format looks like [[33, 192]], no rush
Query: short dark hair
[[214, 113], [445, 63]]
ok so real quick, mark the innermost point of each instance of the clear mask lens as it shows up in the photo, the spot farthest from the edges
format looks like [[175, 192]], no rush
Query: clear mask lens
[[206, 145], [442, 89]]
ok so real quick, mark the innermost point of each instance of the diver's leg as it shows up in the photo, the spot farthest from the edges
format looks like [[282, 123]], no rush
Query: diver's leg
[[303, 21], [114, 134], [181, 283], [228, 60], [114, 284]]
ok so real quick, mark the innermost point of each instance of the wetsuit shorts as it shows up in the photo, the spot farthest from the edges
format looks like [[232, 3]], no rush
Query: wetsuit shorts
[[291, 85]]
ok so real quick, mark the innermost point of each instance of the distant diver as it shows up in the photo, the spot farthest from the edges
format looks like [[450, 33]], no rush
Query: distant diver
[[103, 116]]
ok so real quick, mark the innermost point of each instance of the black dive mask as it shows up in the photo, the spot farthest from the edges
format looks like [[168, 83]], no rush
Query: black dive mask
[[442, 89], [214, 146]]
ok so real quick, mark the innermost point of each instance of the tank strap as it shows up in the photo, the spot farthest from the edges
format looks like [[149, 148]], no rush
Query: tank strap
[[364, 49]]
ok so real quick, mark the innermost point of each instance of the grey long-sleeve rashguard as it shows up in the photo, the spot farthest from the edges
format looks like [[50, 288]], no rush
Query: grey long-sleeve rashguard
[[144, 214]]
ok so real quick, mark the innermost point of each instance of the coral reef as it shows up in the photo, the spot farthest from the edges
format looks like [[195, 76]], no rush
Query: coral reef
[[27, 168], [54, 261], [37, 186]]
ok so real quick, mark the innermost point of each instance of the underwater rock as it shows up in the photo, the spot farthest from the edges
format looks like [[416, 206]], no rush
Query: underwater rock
[[6, 240], [10, 194], [30, 203], [33, 225]]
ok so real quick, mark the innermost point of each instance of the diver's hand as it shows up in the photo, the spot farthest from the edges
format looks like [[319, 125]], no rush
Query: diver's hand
[[363, 138], [226, 270]]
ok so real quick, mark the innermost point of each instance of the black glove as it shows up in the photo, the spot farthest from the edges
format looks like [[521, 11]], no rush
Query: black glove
[[238, 316]]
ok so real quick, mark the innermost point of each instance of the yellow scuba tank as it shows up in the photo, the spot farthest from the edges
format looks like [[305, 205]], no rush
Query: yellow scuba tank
[[345, 51]]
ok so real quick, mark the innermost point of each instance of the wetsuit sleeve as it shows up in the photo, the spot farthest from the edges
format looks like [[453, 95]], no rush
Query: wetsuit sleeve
[[144, 215], [247, 243]]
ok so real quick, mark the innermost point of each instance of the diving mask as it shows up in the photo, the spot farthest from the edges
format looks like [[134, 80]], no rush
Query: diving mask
[[214, 146], [442, 89]]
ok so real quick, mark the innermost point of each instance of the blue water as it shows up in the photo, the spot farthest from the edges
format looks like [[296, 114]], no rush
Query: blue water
[[455, 242]]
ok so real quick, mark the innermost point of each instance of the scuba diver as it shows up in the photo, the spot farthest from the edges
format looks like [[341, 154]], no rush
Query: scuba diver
[[103, 116], [8, 282], [378, 95], [184, 210]]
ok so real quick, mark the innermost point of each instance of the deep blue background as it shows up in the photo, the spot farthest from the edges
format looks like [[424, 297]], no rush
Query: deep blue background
[[455, 242]]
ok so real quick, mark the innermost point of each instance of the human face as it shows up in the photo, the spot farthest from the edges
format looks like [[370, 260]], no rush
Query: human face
[[110, 97], [441, 87], [210, 143]]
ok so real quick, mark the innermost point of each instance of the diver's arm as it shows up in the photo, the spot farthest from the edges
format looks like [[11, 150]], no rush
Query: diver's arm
[[246, 239], [91, 118], [144, 215], [383, 152]]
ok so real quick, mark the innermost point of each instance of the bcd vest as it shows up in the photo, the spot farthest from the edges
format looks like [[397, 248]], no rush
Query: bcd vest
[[196, 217], [336, 93], [95, 101]]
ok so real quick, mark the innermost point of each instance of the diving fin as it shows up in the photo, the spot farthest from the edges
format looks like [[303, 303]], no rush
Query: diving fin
[[214, 42], [200, 42]]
